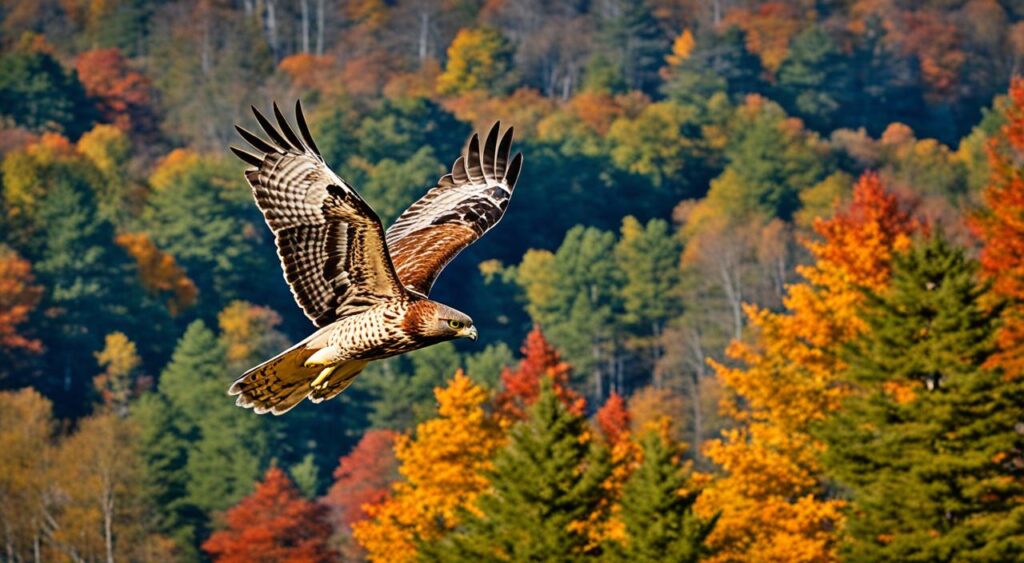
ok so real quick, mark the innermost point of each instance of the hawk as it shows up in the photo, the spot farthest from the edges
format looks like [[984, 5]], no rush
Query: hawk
[[366, 290]]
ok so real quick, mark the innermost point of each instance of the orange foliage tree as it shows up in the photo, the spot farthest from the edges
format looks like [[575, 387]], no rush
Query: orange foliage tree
[[159, 272], [274, 523], [19, 296], [1000, 225], [613, 418], [521, 386], [443, 472], [125, 96], [770, 497]]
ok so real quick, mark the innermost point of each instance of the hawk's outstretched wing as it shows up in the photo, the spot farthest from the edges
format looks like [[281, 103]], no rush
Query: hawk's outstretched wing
[[330, 241], [459, 210]]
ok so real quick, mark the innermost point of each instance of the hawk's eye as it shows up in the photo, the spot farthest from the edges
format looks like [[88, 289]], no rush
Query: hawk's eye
[[456, 325]]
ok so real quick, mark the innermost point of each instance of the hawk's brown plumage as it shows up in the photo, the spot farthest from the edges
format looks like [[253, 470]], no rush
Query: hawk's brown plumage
[[365, 289]]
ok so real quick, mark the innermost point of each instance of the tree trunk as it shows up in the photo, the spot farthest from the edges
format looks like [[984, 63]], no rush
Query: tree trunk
[[424, 36], [305, 25], [319, 27]]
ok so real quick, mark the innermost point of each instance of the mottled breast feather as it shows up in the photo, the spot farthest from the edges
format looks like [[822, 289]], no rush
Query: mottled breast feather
[[330, 242], [463, 206]]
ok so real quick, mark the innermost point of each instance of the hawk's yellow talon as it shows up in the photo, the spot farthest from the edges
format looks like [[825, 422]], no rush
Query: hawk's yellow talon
[[324, 374]]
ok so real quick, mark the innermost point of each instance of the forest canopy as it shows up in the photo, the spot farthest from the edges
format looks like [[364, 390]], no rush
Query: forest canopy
[[757, 295]]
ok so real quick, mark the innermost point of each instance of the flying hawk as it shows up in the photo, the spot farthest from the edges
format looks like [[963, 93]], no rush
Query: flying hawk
[[365, 289]]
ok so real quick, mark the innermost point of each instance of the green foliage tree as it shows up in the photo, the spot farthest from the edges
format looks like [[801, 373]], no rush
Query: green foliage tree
[[205, 219], [812, 80], [657, 509], [927, 442], [225, 448], [633, 42], [401, 389], [37, 93], [573, 294], [719, 62], [546, 483]]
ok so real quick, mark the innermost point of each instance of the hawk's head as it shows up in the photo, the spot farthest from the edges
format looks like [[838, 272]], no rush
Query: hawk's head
[[437, 322]]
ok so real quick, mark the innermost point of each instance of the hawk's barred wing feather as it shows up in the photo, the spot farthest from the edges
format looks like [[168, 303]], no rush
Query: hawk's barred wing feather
[[463, 206], [330, 242]]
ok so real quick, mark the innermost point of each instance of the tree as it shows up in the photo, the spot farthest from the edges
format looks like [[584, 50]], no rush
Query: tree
[[203, 453], [573, 294], [442, 470], [363, 478], [118, 384], [26, 433], [648, 257], [19, 296], [632, 42], [545, 485], [657, 509], [771, 495], [926, 440], [812, 79], [719, 62], [521, 386], [613, 418], [206, 221], [402, 389], [274, 523], [100, 511], [124, 97], [36, 92], [999, 228], [159, 273], [477, 59]]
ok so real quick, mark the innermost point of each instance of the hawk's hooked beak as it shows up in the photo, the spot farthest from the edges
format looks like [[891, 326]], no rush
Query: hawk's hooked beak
[[469, 333]]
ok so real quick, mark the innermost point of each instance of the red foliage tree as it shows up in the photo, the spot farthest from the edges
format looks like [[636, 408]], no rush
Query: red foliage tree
[[1000, 225], [521, 386], [274, 523], [363, 477], [613, 419], [124, 95], [19, 296]]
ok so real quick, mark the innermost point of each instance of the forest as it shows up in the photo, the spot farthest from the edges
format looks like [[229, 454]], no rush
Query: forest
[[759, 294]]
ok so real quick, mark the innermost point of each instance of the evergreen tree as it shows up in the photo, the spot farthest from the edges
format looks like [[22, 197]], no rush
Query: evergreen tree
[[812, 80], [545, 485], [36, 92], [225, 447], [927, 443], [657, 509], [208, 223], [719, 62], [633, 42]]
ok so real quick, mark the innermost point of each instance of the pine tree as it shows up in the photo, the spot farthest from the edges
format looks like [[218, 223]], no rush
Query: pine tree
[[927, 444], [545, 485], [214, 450], [657, 509], [812, 80]]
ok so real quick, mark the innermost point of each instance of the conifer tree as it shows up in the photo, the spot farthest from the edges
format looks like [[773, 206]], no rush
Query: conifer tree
[[927, 444], [545, 485], [657, 509], [203, 454]]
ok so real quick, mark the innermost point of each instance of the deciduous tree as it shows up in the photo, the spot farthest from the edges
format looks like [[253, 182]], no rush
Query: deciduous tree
[[274, 523]]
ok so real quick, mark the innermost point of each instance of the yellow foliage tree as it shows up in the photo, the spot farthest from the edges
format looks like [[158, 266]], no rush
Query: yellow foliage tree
[[120, 361], [443, 470], [770, 497], [477, 59]]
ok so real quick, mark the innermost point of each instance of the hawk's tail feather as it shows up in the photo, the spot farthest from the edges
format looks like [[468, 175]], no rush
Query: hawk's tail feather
[[280, 383]]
